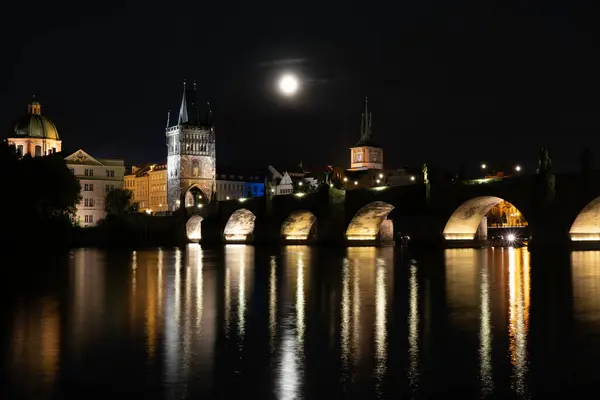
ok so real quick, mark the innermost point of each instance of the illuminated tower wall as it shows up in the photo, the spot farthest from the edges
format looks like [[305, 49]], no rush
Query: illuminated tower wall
[[191, 159]]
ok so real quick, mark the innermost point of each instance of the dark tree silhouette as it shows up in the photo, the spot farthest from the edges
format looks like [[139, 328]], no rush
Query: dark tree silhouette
[[120, 202]]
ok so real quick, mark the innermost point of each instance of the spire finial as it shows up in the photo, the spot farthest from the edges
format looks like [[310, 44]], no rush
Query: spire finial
[[194, 85], [184, 84], [168, 118]]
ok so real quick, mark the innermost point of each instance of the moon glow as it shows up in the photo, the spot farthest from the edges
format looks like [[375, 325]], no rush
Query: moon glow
[[288, 85]]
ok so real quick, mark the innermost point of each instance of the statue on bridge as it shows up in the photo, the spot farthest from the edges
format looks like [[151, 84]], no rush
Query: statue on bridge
[[544, 162], [426, 182]]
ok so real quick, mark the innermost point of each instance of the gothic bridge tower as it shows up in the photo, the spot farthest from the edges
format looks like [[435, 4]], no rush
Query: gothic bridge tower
[[191, 160]]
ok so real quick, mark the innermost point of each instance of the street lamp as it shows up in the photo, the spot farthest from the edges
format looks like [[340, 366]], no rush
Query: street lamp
[[345, 179], [299, 183], [380, 176], [355, 183], [483, 166], [518, 168], [412, 178]]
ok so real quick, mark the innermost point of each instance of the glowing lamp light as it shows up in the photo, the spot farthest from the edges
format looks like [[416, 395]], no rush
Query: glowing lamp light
[[296, 237], [331, 185], [235, 238], [483, 166], [160, 205], [412, 178], [272, 190], [345, 179], [355, 183], [380, 176], [518, 168], [378, 180], [366, 237], [511, 237], [199, 205], [178, 202], [242, 199], [300, 194], [227, 197], [299, 183], [148, 211]]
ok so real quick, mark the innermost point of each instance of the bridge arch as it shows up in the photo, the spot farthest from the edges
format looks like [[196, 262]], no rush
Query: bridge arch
[[240, 225], [193, 228], [299, 225], [465, 221], [369, 223], [586, 226], [194, 196]]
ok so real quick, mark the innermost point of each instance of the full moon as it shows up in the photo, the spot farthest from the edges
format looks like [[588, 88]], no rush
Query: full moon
[[288, 85]]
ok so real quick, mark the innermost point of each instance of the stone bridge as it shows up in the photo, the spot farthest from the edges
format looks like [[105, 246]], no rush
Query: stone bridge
[[558, 208]]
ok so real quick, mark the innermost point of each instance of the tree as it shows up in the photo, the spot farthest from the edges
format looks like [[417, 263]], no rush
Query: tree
[[119, 202]]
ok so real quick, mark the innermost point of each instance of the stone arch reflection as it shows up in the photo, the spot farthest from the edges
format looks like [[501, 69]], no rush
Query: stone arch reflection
[[239, 283], [470, 220], [367, 287], [586, 226], [193, 228], [370, 222], [296, 278], [299, 225], [240, 225]]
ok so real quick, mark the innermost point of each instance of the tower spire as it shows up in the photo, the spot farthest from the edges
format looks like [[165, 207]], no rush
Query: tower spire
[[183, 112], [365, 125], [168, 118]]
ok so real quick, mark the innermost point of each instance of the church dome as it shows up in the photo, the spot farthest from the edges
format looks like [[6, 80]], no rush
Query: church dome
[[34, 125]]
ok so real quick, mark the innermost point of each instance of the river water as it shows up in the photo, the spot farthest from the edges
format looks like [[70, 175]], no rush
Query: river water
[[300, 322]]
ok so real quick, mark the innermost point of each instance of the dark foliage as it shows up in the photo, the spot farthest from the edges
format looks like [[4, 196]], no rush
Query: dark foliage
[[38, 199]]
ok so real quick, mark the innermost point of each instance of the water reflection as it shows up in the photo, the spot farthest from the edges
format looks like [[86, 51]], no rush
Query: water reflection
[[519, 274], [297, 263], [35, 346], [239, 268], [366, 291], [485, 332], [413, 329], [586, 288], [272, 302], [190, 320], [469, 297], [87, 303]]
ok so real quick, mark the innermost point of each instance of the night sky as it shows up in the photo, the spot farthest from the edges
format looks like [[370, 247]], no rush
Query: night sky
[[467, 82]]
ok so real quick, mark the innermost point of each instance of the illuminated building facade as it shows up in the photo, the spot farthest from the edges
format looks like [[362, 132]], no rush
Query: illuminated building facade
[[35, 134], [97, 176], [504, 214], [149, 186], [191, 160]]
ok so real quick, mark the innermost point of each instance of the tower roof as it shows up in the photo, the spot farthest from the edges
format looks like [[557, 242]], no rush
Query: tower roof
[[366, 136], [34, 125]]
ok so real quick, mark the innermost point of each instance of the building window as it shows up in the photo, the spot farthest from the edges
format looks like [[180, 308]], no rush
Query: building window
[[88, 202], [110, 173], [20, 149], [72, 170], [88, 172], [89, 219], [109, 188], [38, 151], [88, 187]]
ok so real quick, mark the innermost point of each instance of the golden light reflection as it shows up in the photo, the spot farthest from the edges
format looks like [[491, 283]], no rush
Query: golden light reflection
[[300, 302], [366, 288], [413, 328], [485, 334], [273, 302], [88, 301], [585, 267], [380, 320], [519, 272], [293, 325], [35, 346], [239, 264]]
